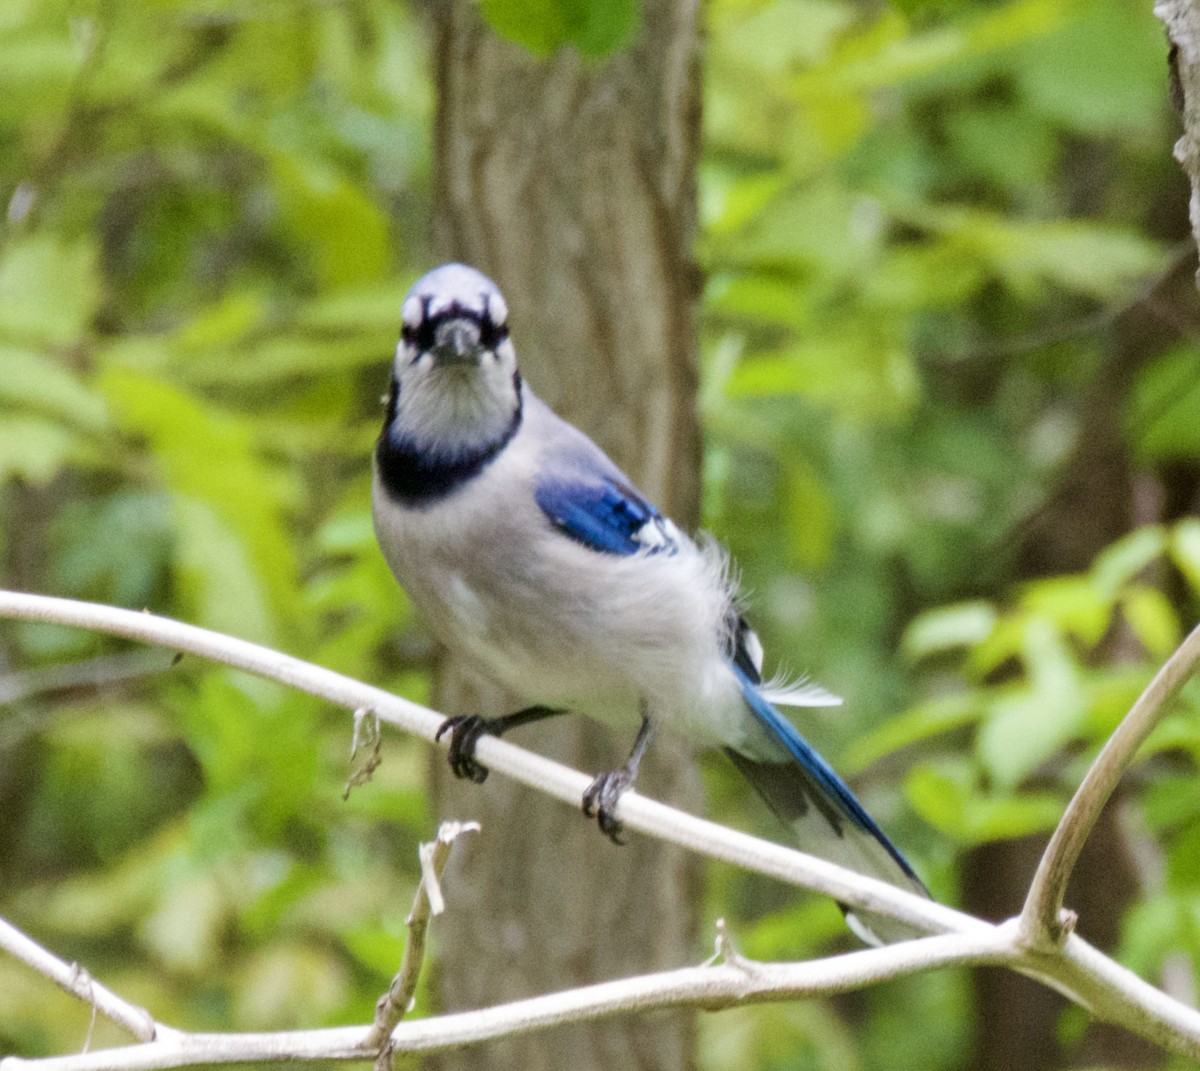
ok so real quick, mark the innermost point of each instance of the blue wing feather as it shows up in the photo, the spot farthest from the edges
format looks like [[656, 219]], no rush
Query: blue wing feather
[[606, 515], [827, 792]]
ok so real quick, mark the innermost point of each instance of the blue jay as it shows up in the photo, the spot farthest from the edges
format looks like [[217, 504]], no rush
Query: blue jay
[[533, 556]]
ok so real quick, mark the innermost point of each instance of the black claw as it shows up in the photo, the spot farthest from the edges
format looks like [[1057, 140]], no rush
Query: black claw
[[600, 801], [465, 731]]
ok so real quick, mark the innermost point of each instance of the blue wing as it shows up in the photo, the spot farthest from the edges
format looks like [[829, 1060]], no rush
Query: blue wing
[[824, 815], [606, 514]]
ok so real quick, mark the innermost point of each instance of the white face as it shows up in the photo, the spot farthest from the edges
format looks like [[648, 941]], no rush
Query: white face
[[455, 365]]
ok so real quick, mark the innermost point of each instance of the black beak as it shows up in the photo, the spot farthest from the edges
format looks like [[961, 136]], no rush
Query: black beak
[[457, 342]]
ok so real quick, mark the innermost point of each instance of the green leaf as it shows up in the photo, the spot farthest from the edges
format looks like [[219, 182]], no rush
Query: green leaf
[[1121, 561], [337, 224], [1159, 928], [1029, 723], [856, 372], [49, 287], [950, 801], [810, 517], [235, 551], [924, 721], [1007, 818], [1185, 550], [757, 299], [1090, 259], [931, 276], [376, 948], [1077, 605], [1008, 146], [216, 575], [729, 202], [1160, 418], [1101, 74], [767, 40], [33, 448], [890, 54], [948, 628], [595, 28], [35, 381], [1153, 620]]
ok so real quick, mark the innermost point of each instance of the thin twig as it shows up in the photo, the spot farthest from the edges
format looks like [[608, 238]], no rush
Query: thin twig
[[1042, 918], [91, 672], [76, 981], [396, 1002]]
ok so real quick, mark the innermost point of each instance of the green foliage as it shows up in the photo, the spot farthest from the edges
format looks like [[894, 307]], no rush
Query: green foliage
[[595, 28], [928, 230], [211, 215], [1037, 689], [923, 228]]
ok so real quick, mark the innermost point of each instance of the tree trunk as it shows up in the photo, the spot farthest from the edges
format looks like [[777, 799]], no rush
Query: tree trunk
[[572, 183], [1182, 19]]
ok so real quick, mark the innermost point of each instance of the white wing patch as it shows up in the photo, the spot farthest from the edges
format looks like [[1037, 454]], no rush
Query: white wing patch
[[658, 533], [753, 647], [799, 693]]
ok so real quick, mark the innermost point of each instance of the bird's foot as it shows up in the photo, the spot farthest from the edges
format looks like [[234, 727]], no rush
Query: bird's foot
[[600, 800], [465, 731]]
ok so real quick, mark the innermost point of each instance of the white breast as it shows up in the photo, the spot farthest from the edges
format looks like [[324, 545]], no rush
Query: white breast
[[560, 624]]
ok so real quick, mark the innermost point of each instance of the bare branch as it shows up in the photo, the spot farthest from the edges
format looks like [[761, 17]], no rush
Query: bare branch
[[710, 987], [395, 1003], [76, 981], [1072, 966], [94, 672], [635, 811], [1042, 918]]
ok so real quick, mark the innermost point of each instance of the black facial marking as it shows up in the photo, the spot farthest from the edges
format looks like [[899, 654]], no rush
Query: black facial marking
[[415, 477], [423, 336], [393, 400]]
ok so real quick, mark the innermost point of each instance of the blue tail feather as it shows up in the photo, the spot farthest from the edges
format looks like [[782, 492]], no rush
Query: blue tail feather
[[812, 778]]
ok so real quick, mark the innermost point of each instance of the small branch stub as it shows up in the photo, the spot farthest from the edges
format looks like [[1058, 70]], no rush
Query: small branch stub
[[366, 747], [427, 903]]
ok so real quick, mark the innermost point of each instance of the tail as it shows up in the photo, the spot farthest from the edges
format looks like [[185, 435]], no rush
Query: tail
[[816, 804]]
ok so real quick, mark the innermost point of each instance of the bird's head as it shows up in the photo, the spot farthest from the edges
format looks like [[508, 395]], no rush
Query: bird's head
[[455, 384]]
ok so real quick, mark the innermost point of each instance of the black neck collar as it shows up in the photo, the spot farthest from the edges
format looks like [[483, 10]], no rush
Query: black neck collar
[[415, 477]]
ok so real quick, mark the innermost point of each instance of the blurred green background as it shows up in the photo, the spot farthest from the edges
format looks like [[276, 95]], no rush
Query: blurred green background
[[951, 390]]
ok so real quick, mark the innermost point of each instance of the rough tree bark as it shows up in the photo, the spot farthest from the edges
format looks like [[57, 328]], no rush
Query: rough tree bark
[[1182, 19], [572, 183]]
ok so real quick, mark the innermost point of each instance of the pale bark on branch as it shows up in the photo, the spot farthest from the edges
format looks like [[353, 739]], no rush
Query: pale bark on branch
[[1056, 957], [1182, 19]]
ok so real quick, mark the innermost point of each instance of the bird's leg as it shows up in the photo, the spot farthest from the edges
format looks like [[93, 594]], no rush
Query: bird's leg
[[600, 799], [466, 729]]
